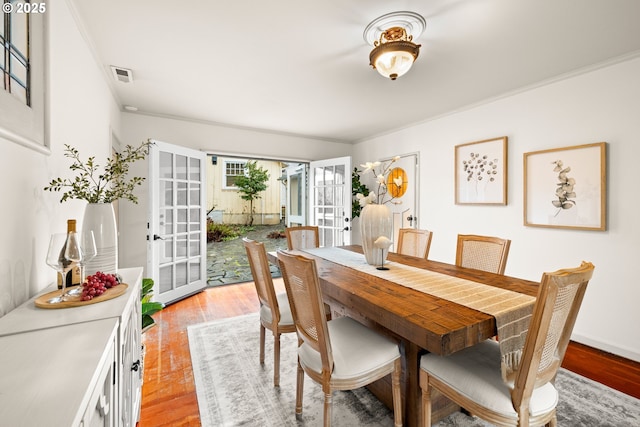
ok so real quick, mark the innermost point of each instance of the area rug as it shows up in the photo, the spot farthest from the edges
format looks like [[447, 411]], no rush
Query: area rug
[[233, 389]]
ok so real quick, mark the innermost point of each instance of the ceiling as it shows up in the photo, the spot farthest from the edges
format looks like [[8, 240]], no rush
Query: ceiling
[[302, 67]]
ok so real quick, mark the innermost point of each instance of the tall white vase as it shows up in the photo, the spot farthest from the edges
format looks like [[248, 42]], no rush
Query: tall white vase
[[101, 218], [375, 221]]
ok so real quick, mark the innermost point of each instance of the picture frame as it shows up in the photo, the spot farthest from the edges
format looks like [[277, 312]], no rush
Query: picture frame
[[566, 187], [481, 172]]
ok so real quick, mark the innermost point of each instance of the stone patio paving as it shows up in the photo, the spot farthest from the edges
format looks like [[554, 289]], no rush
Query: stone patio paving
[[227, 261]]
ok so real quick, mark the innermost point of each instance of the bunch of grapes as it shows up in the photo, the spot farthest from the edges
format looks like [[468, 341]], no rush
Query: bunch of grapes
[[97, 284]]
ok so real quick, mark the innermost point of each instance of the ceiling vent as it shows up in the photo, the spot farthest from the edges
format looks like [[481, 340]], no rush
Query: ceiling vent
[[123, 75]]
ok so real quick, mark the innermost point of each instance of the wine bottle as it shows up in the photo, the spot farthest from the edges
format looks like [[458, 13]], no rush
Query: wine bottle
[[73, 276]]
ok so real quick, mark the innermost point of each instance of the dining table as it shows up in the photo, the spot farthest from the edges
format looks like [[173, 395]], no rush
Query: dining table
[[417, 317]]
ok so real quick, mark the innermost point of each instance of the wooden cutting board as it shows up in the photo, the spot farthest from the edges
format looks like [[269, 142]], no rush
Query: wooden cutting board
[[74, 301]]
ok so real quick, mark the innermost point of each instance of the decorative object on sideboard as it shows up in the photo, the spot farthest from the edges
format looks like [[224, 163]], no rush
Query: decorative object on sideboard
[[100, 187]]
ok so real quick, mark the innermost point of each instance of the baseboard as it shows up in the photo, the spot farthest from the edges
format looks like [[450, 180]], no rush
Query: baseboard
[[609, 348]]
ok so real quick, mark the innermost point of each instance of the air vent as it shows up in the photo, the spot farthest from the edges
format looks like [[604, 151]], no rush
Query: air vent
[[123, 75]]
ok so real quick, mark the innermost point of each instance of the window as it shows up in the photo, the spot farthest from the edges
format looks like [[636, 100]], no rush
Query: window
[[14, 55], [232, 169], [22, 83]]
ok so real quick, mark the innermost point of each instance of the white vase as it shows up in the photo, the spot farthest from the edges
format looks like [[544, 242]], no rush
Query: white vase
[[375, 221], [101, 218]]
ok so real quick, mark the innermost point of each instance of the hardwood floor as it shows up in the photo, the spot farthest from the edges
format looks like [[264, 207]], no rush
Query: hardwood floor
[[168, 392]]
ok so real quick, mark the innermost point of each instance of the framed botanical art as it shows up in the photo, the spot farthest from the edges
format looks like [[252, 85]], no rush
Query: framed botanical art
[[481, 172], [566, 187]]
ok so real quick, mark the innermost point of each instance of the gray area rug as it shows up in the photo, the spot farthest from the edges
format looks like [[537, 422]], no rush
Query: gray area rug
[[234, 390]]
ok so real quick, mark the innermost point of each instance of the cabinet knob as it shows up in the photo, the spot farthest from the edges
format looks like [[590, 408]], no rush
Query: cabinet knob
[[135, 366]]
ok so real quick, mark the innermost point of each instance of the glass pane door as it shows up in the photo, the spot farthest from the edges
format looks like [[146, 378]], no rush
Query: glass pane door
[[331, 200], [177, 231]]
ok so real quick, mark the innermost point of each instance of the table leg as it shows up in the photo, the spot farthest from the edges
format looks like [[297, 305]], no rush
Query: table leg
[[412, 383]]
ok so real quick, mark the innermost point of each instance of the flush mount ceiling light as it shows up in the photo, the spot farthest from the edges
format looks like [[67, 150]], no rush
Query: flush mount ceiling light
[[392, 36]]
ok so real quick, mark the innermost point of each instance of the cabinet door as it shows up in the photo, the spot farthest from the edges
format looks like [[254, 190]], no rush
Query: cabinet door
[[101, 410], [131, 369]]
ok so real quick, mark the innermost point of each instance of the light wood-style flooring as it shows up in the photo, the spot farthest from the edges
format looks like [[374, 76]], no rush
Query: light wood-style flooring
[[168, 392]]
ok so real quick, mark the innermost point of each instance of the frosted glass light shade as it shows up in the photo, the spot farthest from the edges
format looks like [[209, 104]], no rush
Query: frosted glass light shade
[[394, 64]]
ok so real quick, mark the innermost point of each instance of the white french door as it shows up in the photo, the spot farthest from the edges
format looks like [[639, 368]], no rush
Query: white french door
[[177, 221], [330, 200], [296, 195]]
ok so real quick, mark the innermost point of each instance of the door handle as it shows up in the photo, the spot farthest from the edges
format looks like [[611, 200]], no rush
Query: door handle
[[156, 237], [411, 218]]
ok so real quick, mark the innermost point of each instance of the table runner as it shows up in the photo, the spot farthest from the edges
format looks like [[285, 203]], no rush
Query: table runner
[[512, 310]]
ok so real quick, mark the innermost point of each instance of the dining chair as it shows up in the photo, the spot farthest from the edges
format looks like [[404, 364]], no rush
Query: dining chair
[[339, 354], [275, 313], [414, 242], [473, 379], [302, 237], [482, 252]]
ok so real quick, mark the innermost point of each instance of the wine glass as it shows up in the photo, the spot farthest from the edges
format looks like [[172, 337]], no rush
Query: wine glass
[[58, 258], [89, 251]]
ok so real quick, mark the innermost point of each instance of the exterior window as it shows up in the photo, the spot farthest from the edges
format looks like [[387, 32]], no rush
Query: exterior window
[[14, 54], [233, 169]]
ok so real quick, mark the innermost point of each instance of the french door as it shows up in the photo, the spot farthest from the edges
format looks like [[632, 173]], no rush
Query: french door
[[330, 200], [296, 203], [177, 226]]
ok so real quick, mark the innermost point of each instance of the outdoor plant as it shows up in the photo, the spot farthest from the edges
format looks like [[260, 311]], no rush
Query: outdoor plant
[[149, 308], [96, 185], [223, 232], [251, 184]]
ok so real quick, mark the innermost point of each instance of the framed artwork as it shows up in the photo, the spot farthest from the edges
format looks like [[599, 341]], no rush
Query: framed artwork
[[481, 172], [566, 187]]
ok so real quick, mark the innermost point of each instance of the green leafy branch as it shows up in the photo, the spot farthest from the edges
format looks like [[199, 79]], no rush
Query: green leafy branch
[[101, 187]]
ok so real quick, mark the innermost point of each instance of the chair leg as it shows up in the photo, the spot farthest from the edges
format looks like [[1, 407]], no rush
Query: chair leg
[[299, 390], [276, 360], [397, 398], [426, 399], [262, 333], [327, 408]]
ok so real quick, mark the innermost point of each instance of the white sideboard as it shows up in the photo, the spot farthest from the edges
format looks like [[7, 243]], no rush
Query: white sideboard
[[77, 367]]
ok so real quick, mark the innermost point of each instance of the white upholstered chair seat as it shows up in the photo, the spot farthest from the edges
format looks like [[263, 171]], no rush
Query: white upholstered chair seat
[[357, 350], [475, 373], [286, 318]]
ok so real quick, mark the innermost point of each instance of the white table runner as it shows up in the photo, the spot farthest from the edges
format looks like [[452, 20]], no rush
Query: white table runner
[[512, 310]]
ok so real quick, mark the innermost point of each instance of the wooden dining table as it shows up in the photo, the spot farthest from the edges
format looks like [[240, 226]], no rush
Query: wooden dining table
[[420, 322]]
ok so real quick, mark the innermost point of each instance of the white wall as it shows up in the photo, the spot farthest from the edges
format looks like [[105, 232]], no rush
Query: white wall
[[210, 138], [602, 105], [81, 113]]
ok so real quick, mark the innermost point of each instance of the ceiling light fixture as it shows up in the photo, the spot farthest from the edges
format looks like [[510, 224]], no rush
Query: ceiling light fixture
[[392, 36]]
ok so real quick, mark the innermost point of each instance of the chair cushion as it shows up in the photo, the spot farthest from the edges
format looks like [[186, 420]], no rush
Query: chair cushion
[[357, 350], [286, 318], [475, 373]]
